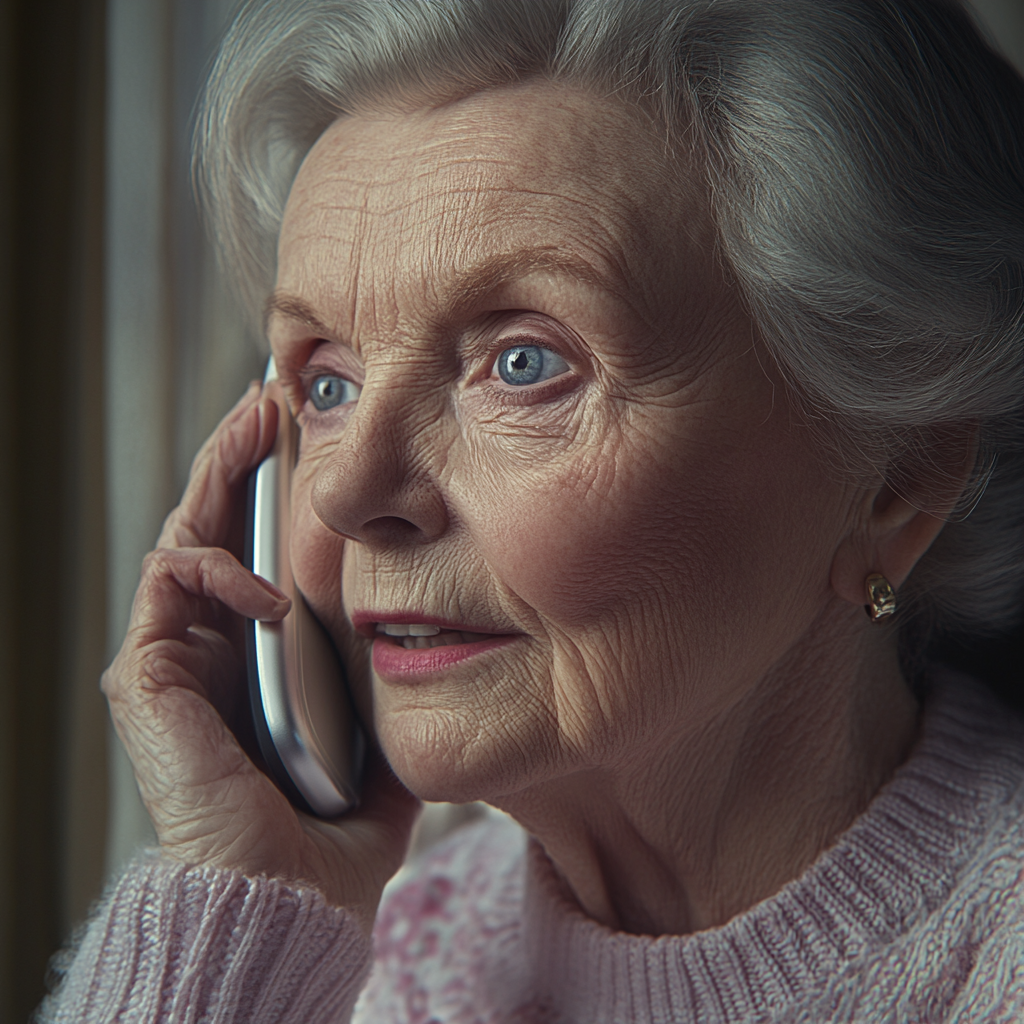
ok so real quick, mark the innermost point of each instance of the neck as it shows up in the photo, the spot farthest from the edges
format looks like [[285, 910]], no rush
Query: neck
[[712, 820]]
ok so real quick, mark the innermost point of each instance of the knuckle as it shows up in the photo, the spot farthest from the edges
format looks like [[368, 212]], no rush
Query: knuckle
[[126, 682], [216, 562], [193, 570], [157, 562], [158, 584], [168, 562], [156, 569], [211, 565]]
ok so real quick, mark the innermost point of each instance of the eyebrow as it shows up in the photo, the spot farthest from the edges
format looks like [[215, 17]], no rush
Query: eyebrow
[[294, 308], [470, 286]]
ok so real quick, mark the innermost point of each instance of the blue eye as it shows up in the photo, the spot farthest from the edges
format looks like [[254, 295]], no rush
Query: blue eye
[[329, 391], [527, 364]]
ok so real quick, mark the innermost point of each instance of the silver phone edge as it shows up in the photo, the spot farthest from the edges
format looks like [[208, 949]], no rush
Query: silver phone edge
[[308, 768]]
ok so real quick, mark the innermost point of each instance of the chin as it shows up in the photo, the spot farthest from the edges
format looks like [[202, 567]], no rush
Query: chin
[[439, 757]]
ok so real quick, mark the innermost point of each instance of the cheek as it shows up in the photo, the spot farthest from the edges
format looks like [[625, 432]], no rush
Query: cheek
[[583, 533], [634, 537]]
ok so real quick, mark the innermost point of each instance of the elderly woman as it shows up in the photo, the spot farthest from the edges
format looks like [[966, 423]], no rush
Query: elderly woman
[[637, 347]]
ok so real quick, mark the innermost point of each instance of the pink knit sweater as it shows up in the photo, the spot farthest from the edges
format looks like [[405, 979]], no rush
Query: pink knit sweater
[[915, 915]]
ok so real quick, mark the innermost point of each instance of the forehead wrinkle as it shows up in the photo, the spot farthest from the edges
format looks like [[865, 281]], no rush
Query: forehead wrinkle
[[466, 211], [437, 192], [451, 217], [383, 175]]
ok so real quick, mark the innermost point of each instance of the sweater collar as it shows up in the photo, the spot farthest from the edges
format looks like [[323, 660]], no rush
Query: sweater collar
[[897, 862]]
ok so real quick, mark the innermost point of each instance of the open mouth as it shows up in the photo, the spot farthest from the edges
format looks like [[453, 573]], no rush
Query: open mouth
[[421, 637], [407, 652]]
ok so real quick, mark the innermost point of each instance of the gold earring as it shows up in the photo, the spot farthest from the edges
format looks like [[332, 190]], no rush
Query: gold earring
[[881, 597]]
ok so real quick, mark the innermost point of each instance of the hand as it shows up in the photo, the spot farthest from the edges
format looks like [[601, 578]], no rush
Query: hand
[[177, 691]]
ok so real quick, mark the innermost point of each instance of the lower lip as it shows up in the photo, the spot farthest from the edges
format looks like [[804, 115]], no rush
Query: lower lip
[[394, 664]]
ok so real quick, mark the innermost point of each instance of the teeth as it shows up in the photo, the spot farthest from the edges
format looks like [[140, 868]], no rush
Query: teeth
[[410, 629], [447, 639], [422, 643], [418, 630], [415, 636]]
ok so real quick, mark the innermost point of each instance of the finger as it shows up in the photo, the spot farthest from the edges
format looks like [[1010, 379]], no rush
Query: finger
[[179, 584], [237, 446], [169, 641]]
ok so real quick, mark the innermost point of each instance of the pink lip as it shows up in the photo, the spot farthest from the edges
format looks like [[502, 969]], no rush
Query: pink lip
[[394, 664]]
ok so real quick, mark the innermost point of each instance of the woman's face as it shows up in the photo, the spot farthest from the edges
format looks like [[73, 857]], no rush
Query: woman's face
[[535, 409]]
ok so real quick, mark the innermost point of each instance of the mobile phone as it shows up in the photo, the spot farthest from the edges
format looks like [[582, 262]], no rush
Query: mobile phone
[[304, 721]]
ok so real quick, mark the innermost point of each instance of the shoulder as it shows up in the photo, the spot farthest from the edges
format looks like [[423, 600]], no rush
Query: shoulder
[[447, 933], [984, 971], [974, 940], [964, 962], [962, 956]]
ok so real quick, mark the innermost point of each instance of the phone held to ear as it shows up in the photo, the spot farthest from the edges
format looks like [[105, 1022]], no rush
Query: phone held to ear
[[307, 731]]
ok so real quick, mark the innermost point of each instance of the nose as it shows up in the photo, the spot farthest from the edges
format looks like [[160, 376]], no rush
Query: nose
[[375, 487]]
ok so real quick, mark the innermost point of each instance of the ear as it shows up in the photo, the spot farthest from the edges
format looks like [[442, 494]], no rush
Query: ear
[[901, 518]]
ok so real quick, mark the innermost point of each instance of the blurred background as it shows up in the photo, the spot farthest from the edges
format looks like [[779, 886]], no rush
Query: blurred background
[[121, 348]]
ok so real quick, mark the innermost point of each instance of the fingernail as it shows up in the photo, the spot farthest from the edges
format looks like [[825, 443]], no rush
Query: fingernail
[[271, 589]]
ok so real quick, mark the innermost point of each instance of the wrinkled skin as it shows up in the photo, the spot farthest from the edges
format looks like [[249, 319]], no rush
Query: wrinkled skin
[[692, 703]]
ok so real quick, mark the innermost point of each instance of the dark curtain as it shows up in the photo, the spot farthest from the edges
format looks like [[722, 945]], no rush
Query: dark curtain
[[52, 589]]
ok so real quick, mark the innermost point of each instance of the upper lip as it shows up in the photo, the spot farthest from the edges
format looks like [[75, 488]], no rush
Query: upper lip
[[365, 622]]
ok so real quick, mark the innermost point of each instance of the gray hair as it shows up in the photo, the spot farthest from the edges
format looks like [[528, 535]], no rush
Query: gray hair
[[865, 163]]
